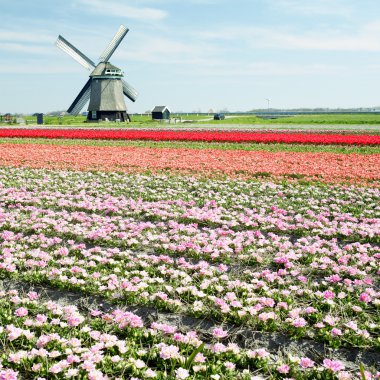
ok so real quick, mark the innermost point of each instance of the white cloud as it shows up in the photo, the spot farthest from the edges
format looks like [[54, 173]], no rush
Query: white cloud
[[281, 69], [119, 9], [272, 69], [365, 39], [164, 50], [315, 7], [201, 2], [33, 42], [37, 67], [30, 36], [29, 49]]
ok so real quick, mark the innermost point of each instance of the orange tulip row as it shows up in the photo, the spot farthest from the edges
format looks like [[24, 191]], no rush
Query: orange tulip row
[[328, 167]]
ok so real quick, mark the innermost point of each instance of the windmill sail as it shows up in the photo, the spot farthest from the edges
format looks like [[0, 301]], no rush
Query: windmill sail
[[120, 34], [81, 100], [129, 91], [73, 52]]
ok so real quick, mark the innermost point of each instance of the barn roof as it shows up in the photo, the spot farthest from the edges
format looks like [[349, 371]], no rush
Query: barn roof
[[160, 109]]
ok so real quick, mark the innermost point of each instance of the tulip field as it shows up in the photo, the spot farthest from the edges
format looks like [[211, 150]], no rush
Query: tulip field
[[172, 135], [149, 262]]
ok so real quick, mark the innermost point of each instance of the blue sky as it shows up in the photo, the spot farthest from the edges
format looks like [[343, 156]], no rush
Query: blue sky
[[196, 55]]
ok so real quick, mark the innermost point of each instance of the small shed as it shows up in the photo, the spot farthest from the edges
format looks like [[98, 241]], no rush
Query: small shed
[[160, 113], [40, 118], [8, 117]]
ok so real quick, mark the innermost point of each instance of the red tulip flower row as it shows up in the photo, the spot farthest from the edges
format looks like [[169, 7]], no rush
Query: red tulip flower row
[[207, 136]]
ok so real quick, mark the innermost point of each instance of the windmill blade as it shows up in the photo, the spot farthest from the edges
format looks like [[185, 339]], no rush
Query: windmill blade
[[129, 91], [120, 34], [81, 100], [73, 52]]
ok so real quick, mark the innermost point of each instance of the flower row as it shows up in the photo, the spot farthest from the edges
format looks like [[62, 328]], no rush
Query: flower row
[[168, 135], [236, 208], [325, 167], [312, 288], [45, 340]]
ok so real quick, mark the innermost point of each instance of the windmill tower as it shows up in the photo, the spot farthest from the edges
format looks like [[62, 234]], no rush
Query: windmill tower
[[106, 87]]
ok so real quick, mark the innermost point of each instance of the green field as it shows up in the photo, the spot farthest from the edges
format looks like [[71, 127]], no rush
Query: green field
[[302, 119], [81, 120], [331, 121]]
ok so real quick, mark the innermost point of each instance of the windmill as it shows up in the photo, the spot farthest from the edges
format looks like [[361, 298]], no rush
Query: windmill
[[106, 87]]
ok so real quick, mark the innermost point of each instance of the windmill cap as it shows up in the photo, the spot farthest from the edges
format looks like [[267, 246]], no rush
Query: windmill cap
[[106, 69]]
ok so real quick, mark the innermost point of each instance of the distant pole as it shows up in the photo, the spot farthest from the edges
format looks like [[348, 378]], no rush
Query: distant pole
[[268, 103]]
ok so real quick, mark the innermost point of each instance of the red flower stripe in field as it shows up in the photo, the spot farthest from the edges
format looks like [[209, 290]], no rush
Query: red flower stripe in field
[[329, 167], [208, 136]]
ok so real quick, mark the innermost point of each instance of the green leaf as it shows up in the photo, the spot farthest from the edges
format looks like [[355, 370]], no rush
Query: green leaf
[[362, 374], [190, 359]]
